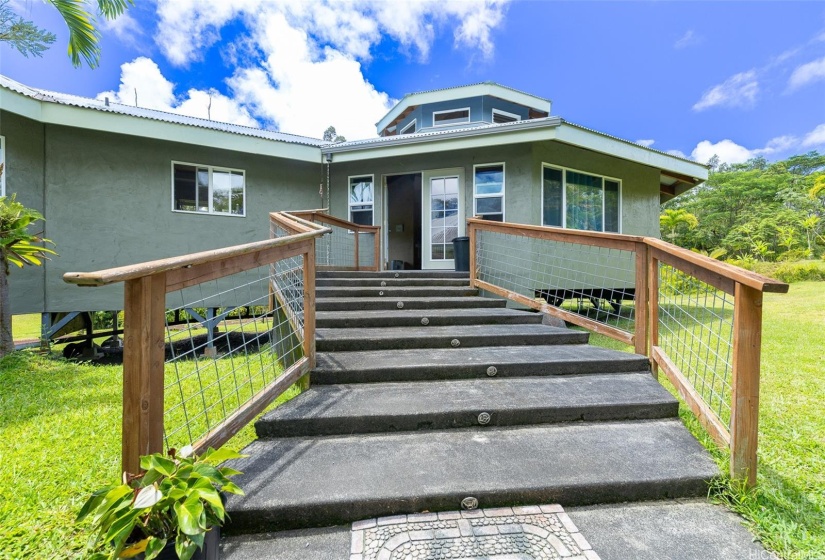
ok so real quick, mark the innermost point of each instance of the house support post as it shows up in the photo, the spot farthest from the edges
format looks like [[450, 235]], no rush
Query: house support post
[[143, 360], [45, 332], [744, 421]]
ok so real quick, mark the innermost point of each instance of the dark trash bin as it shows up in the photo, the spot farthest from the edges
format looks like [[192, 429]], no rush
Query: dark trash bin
[[461, 249]]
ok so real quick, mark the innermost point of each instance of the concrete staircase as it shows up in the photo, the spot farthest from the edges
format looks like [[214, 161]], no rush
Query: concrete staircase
[[425, 394]]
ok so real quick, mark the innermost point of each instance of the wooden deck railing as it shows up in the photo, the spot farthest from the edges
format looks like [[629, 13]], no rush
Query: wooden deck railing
[[349, 246], [264, 294], [698, 319]]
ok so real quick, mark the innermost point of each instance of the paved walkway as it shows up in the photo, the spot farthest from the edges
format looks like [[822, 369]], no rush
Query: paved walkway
[[666, 530]]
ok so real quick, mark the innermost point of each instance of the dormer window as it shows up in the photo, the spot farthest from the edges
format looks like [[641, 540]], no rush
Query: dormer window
[[410, 128], [450, 117], [500, 116]]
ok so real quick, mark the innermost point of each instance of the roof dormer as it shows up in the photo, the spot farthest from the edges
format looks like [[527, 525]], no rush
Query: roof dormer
[[463, 106]]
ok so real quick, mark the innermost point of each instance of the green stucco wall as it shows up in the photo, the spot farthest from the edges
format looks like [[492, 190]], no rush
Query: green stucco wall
[[109, 199], [24, 173], [523, 169]]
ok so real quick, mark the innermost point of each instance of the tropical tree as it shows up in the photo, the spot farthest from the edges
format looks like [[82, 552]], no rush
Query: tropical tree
[[18, 247], [84, 38], [22, 35], [672, 220], [330, 135]]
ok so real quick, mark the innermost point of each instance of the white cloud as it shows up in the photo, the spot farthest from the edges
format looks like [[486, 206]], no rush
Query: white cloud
[[816, 137], [300, 66], [807, 73], [124, 27], [646, 143], [143, 84], [731, 152], [739, 90], [689, 39], [677, 153]]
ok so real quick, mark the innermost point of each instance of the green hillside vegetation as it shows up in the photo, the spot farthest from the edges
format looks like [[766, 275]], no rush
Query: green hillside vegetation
[[754, 213]]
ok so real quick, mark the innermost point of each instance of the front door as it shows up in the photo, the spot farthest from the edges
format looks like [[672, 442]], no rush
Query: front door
[[442, 216]]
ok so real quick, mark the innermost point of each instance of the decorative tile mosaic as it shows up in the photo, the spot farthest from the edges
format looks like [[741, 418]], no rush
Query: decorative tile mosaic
[[519, 533]]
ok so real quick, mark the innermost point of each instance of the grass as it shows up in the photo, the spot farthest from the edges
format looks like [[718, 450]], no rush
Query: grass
[[26, 327], [59, 441], [787, 509]]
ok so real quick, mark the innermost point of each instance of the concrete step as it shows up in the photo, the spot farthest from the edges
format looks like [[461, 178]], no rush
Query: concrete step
[[467, 336], [391, 274], [388, 303], [300, 482], [439, 405], [390, 282], [395, 291], [435, 317], [466, 363]]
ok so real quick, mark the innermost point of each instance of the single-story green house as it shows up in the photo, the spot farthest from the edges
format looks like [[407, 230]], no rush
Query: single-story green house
[[119, 184]]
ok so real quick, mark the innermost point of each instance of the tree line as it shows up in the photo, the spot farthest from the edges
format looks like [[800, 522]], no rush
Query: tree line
[[767, 211]]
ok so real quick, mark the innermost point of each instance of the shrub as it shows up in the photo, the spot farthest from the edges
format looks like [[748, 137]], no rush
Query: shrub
[[799, 271]]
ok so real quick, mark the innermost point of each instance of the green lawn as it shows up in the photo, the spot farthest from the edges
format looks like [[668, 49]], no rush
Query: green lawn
[[60, 434], [59, 440], [787, 510], [26, 327]]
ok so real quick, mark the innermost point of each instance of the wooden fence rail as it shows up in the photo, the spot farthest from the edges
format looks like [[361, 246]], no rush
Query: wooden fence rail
[[745, 287], [145, 290]]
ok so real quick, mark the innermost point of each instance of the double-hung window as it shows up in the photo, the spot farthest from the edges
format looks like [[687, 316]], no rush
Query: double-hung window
[[576, 200], [361, 200], [208, 190], [488, 191]]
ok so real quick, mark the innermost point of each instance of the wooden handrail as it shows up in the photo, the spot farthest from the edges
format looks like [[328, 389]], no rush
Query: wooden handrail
[[132, 272], [332, 220], [747, 288], [740, 275]]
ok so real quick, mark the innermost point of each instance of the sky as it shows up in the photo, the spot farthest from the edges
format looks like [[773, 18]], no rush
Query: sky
[[734, 79]]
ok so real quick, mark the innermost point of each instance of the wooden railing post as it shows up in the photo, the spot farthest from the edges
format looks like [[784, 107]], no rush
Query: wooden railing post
[[143, 360], [309, 306], [653, 310], [357, 263], [642, 296], [471, 233], [744, 420], [377, 249]]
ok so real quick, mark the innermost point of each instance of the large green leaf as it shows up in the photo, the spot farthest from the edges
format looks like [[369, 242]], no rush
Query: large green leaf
[[154, 547], [189, 516]]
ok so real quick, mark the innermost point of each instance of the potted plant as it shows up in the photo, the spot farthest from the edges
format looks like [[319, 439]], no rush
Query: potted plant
[[166, 512]]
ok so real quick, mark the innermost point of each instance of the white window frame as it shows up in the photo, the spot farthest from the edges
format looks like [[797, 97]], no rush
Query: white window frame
[[476, 196], [210, 168], [505, 114], [564, 171], [452, 111], [413, 123], [350, 204], [5, 165]]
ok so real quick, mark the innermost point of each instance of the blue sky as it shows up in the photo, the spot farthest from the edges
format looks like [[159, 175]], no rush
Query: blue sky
[[734, 78]]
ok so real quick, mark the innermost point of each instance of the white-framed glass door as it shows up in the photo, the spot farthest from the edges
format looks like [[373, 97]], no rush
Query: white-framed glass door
[[442, 216]]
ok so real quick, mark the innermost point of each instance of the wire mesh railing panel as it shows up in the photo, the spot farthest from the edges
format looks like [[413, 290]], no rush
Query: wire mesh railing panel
[[695, 323], [336, 249], [596, 282], [366, 249], [226, 341]]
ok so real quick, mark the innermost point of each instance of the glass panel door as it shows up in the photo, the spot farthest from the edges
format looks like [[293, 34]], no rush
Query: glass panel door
[[443, 218]]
